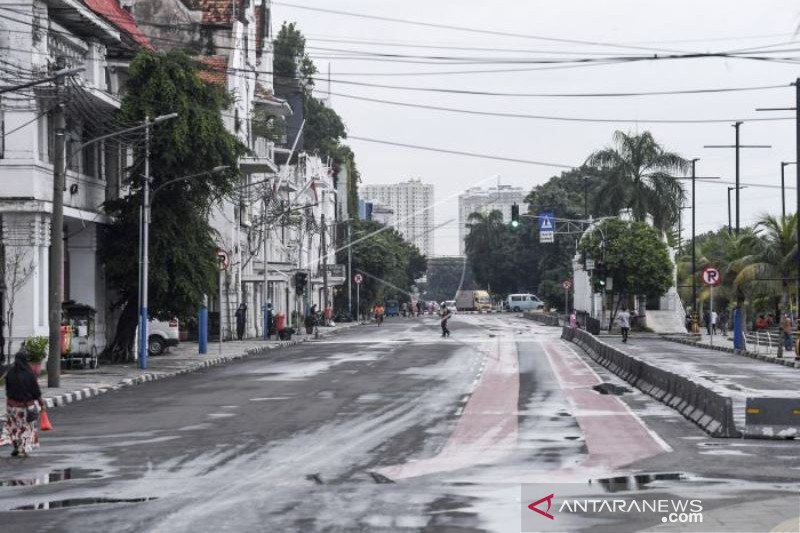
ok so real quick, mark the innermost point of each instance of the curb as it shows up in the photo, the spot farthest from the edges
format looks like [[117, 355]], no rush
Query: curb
[[90, 392], [785, 361]]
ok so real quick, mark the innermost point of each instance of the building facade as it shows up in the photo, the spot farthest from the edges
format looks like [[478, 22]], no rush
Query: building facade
[[478, 200], [412, 205], [36, 38]]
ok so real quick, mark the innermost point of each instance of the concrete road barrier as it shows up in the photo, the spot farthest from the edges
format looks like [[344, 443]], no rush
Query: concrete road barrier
[[703, 406], [772, 418], [547, 319]]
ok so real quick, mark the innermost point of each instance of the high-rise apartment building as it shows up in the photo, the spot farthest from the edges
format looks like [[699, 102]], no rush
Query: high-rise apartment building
[[412, 204], [477, 200]]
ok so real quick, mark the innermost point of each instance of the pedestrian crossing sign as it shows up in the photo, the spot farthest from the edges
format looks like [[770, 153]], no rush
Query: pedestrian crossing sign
[[547, 222]]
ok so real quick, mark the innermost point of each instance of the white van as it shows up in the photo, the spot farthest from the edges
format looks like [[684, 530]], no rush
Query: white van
[[523, 302]]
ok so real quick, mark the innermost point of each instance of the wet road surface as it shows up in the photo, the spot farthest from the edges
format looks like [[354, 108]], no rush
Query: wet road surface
[[386, 428]]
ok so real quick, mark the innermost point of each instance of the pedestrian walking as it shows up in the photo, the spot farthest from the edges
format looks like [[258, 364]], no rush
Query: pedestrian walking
[[573, 319], [723, 323], [707, 321], [23, 403], [328, 315], [787, 328], [446, 314], [714, 317], [241, 320], [420, 308], [624, 321]]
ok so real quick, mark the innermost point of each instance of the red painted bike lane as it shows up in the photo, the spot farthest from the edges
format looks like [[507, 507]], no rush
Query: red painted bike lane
[[614, 435]]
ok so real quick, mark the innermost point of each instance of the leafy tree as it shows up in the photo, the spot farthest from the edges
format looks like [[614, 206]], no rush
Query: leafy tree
[[389, 263], [640, 176], [183, 267], [446, 276], [290, 58], [770, 269], [633, 255]]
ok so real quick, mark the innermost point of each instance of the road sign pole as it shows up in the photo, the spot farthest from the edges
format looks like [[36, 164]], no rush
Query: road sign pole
[[711, 313], [221, 275], [358, 302]]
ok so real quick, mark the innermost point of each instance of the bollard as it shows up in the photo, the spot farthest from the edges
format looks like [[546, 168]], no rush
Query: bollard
[[202, 329], [738, 332]]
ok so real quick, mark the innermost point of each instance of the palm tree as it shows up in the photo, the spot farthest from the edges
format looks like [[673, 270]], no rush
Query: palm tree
[[769, 270], [725, 251], [640, 177]]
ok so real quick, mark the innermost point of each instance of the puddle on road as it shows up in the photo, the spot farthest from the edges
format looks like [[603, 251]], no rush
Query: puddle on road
[[636, 482], [77, 502], [63, 474], [610, 388]]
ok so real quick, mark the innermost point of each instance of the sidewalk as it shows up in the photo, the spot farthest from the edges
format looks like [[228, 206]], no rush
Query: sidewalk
[[738, 378], [763, 352], [78, 385]]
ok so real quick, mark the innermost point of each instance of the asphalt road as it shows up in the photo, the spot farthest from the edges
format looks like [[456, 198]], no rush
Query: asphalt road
[[388, 428]]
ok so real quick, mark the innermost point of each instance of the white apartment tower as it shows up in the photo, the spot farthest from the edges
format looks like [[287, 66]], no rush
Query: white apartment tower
[[477, 200], [412, 203]]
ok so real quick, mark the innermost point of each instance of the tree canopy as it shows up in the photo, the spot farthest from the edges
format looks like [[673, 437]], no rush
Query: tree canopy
[[183, 266]]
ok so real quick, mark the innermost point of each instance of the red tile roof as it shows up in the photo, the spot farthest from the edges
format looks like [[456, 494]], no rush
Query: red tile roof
[[121, 19], [214, 69], [218, 12]]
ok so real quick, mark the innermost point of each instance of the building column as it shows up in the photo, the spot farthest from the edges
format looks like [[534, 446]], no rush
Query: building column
[[26, 238]]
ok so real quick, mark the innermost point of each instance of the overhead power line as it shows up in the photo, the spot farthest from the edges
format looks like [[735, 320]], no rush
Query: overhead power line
[[458, 152], [560, 118], [464, 28]]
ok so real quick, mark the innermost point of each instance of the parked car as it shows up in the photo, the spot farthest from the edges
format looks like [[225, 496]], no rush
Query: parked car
[[523, 302], [162, 335], [473, 300]]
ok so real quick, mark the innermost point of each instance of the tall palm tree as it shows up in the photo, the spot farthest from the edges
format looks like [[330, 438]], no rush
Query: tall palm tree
[[641, 177], [770, 269]]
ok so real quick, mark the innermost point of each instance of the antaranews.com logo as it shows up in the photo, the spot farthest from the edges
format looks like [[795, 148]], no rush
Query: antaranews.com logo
[[570, 507]]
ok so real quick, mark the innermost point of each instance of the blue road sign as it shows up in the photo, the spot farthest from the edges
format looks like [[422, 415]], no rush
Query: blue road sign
[[547, 222]]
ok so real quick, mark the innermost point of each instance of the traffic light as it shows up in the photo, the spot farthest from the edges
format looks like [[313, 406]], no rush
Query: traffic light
[[300, 282], [514, 215], [599, 277]]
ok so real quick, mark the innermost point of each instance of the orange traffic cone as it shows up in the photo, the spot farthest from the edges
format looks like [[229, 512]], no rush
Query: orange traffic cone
[[44, 422]]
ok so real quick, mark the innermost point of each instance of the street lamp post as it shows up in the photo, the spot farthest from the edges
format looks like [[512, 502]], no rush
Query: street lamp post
[[737, 146], [694, 177], [730, 229], [144, 248], [784, 164]]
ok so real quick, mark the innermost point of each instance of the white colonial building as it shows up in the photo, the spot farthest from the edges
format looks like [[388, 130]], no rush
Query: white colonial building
[[36, 38]]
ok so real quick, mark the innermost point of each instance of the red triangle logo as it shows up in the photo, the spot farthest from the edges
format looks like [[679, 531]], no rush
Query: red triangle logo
[[549, 500]]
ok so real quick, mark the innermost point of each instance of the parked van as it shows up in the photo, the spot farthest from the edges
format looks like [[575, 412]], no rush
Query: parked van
[[523, 302]]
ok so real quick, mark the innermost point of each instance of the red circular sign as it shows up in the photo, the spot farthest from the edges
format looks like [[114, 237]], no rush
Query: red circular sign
[[358, 278], [567, 285], [711, 276]]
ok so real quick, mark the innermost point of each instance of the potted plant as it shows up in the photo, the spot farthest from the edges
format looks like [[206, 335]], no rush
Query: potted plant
[[37, 352]]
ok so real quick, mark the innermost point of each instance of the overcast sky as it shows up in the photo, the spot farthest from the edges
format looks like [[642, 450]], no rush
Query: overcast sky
[[687, 26]]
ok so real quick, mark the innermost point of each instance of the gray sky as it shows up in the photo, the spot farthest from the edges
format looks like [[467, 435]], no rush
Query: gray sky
[[689, 26]]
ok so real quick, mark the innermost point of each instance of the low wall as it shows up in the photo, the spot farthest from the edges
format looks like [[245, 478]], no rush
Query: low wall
[[706, 408]]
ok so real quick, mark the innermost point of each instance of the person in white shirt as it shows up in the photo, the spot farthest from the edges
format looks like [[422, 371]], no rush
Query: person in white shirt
[[714, 318], [624, 321]]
